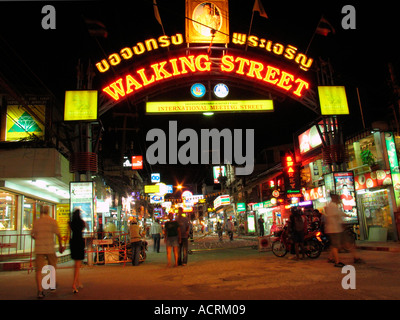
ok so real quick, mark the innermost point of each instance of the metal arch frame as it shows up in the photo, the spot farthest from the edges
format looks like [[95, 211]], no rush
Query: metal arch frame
[[309, 100]]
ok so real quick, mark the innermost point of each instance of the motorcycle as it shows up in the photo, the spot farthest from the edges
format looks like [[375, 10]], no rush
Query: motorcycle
[[142, 253], [312, 243], [348, 238]]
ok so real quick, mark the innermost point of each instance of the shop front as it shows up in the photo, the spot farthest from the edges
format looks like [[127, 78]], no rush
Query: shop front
[[317, 196], [22, 198], [375, 197], [271, 213], [373, 158]]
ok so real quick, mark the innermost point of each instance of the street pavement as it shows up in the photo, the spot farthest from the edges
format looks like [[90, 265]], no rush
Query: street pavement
[[240, 275]]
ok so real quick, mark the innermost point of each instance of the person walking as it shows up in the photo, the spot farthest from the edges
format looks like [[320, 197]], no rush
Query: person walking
[[297, 230], [219, 230], [229, 228], [334, 229], [77, 246], [136, 241], [156, 231], [43, 231], [172, 238], [184, 225], [261, 226]]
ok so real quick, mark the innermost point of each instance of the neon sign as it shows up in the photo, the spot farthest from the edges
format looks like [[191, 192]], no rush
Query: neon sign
[[176, 67], [291, 175], [289, 52], [128, 53]]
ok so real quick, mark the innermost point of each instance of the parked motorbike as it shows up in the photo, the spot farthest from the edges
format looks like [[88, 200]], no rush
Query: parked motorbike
[[348, 238], [142, 254], [282, 245]]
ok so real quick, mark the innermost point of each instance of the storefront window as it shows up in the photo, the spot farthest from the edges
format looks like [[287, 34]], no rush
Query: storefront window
[[8, 211], [365, 153], [376, 214], [32, 211], [28, 214]]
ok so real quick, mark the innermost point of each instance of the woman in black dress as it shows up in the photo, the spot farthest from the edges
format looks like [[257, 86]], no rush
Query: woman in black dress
[[77, 245]]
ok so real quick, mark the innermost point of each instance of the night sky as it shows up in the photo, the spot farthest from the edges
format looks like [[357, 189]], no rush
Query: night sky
[[33, 58]]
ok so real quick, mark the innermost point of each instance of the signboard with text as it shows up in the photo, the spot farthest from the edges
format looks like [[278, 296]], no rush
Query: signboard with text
[[82, 197]]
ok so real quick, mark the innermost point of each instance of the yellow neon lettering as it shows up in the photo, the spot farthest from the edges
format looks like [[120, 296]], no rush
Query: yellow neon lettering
[[103, 65], [139, 48], [144, 78], [159, 69], [271, 74], [227, 64], [285, 80], [114, 59], [174, 67], [177, 39], [201, 63], [252, 41], [268, 46], [206, 66], [118, 89], [130, 81], [255, 67], [302, 85], [242, 62], [164, 41], [186, 62], [126, 53], [151, 44]]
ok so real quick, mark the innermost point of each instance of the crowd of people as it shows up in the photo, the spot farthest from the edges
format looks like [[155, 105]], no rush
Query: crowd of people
[[176, 233]]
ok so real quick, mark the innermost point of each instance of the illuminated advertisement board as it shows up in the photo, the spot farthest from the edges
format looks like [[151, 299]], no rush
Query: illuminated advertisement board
[[82, 195], [309, 140], [137, 162], [217, 172], [207, 21], [343, 184], [21, 124], [209, 106], [393, 164], [80, 105], [222, 201], [152, 188], [333, 100]]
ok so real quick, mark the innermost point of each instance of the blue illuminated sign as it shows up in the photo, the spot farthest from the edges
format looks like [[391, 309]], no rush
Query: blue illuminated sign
[[198, 90]]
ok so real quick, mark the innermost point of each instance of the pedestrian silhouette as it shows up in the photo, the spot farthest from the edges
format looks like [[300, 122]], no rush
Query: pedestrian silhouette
[[43, 231], [77, 246]]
